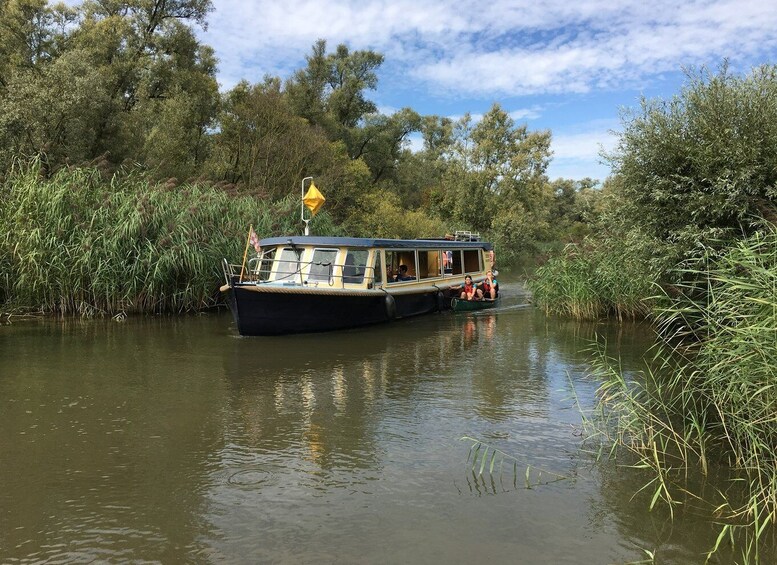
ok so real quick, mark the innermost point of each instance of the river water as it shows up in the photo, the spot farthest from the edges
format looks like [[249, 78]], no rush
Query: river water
[[175, 440]]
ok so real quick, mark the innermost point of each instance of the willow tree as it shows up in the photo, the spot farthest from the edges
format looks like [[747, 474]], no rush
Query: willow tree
[[701, 167], [496, 180], [330, 90], [263, 148], [159, 80], [380, 142], [331, 93], [261, 145], [126, 79], [33, 110]]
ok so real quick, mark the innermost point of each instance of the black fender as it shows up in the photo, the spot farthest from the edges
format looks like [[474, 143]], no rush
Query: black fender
[[391, 307]]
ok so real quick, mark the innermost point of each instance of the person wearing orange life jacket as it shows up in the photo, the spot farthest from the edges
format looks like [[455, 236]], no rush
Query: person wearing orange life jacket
[[489, 286], [469, 291]]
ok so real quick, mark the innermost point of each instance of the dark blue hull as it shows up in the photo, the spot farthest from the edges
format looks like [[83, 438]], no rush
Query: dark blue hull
[[278, 313]]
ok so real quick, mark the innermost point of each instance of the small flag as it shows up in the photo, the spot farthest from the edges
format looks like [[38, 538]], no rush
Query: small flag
[[254, 240], [313, 199]]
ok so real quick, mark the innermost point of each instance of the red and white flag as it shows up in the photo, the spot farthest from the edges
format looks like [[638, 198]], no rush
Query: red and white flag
[[254, 240]]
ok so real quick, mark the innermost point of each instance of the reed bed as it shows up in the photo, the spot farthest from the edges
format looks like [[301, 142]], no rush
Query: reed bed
[[588, 282], [709, 396], [80, 244]]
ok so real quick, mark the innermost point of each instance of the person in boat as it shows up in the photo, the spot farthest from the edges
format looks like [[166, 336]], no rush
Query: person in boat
[[402, 275], [490, 287], [470, 291]]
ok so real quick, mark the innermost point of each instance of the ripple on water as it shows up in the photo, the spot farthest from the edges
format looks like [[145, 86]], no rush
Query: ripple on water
[[256, 477]]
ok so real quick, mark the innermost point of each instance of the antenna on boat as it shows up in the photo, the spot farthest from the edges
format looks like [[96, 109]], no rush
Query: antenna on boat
[[312, 200]]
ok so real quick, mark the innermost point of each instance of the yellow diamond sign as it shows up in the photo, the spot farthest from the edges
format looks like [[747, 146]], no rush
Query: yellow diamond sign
[[313, 199]]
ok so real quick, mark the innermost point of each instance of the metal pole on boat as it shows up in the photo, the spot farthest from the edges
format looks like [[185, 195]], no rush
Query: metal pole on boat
[[302, 204]]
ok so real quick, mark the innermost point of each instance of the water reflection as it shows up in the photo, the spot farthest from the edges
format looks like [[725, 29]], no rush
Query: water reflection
[[175, 440], [98, 443]]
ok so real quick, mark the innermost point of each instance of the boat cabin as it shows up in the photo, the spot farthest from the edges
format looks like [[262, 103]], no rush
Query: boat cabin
[[337, 262]]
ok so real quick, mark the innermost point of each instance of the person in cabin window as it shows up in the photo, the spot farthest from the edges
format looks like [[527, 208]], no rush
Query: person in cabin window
[[447, 261], [489, 286], [469, 291], [402, 275]]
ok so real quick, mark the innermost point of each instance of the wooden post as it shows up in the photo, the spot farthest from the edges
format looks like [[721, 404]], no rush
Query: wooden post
[[245, 254]]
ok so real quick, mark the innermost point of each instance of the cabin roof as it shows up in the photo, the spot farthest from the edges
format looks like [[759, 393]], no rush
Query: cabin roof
[[365, 242]]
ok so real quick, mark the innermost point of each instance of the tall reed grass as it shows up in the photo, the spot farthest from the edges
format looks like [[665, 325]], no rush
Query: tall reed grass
[[77, 243], [709, 396], [589, 281]]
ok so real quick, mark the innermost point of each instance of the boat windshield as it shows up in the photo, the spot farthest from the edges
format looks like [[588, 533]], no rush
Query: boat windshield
[[322, 265], [288, 265], [355, 265]]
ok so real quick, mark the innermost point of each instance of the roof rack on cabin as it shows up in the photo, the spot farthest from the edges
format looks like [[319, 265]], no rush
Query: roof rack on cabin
[[462, 235]]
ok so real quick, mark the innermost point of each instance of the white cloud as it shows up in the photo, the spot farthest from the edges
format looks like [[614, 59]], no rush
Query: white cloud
[[523, 114], [505, 47], [498, 48], [577, 154]]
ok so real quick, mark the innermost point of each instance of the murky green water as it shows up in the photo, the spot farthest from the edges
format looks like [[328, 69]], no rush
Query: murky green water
[[174, 440]]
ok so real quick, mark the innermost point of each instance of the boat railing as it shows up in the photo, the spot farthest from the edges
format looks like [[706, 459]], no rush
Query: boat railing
[[335, 275], [462, 235]]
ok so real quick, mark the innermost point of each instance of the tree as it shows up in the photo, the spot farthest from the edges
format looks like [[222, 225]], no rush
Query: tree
[[496, 179], [128, 80], [574, 207], [50, 112], [417, 173], [261, 145], [147, 55], [329, 92], [264, 149], [702, 166], [380, 141], [28, 34]]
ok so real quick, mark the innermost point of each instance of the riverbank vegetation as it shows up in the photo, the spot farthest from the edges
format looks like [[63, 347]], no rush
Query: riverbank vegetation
[[691, 173], [77, 243], [687, 237], [707, 398]]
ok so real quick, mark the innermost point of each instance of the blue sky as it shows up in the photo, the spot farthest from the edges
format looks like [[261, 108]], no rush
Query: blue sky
[[568, 66]]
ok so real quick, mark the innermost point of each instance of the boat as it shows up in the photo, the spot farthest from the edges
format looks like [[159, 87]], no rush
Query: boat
[[461, 305], [309, 283]]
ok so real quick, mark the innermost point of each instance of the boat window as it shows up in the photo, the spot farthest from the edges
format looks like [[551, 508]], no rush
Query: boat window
[[263, 265], [395, 259], [322, 265], [288, 265], [454, 265], [429, 264], [355, 265], [472, 263]]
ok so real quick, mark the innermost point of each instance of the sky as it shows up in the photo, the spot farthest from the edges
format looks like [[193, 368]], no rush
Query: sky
[[568, 66]]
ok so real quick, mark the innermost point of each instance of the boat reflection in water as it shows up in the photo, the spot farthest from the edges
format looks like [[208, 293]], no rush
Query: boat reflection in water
[[320, 391]]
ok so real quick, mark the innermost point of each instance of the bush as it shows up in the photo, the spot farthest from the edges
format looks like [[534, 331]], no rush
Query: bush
[[701, 168], [381, 215]]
